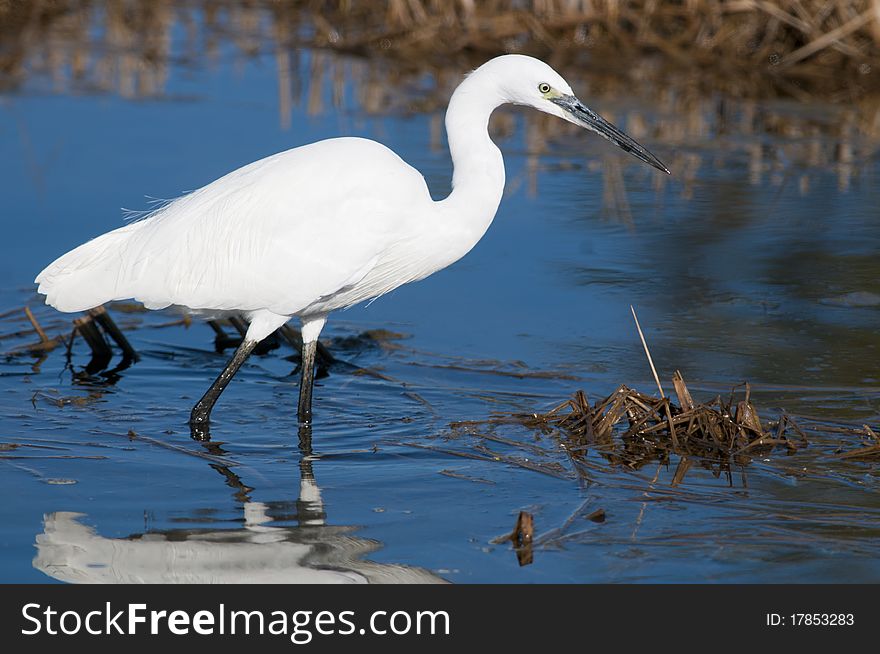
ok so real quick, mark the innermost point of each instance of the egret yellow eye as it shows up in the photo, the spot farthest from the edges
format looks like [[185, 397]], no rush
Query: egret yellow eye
[[543, 87]]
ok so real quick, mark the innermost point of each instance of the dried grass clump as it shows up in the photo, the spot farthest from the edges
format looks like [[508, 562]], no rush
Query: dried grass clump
[[633, 429], [723, 430]]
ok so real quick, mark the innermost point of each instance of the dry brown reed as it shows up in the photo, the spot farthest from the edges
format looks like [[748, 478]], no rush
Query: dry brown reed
[[794, 46], [804, 42]]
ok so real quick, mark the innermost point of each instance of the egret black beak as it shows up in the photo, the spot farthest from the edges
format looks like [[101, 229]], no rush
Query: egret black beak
[[585, 117]]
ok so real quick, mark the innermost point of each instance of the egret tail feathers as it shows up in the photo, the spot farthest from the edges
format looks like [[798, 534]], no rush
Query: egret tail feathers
[[89, 275]]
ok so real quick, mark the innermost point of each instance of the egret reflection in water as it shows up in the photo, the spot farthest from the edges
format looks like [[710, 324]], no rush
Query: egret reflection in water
[[312, 552]]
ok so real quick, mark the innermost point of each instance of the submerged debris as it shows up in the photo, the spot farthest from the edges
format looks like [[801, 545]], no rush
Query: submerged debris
[[869, 451], [522, 537], [41, 347]]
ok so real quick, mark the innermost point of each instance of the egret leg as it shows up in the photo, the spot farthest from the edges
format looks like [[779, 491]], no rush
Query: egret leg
[[201, 413], [311, 329], [307, 381]]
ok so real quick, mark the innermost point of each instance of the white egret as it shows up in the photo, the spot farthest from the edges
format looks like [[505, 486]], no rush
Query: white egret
[[319, 227]]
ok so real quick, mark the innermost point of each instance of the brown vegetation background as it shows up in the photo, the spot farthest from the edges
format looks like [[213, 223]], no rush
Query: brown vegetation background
[[802, 48]]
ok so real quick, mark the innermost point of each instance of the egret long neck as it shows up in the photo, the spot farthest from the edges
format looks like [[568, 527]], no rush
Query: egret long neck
[[478, 169]]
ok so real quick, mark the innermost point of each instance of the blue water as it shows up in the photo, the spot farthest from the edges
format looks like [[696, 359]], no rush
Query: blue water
[[738, 273]]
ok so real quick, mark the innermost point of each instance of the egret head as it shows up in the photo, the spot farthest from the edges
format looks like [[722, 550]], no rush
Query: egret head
[[528, 81]]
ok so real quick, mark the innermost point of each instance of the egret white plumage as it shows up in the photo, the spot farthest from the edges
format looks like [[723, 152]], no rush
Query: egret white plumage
[[319, 227]]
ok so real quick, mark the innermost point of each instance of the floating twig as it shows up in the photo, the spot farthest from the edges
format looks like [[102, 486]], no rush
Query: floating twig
[[36, 325]]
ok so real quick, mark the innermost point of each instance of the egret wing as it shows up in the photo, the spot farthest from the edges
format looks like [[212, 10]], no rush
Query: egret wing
[[280, 234]]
